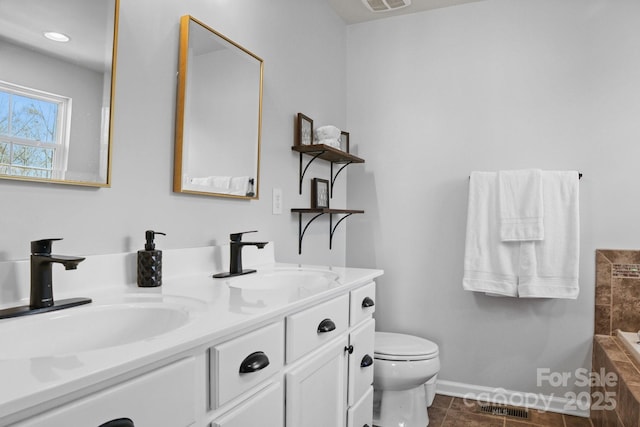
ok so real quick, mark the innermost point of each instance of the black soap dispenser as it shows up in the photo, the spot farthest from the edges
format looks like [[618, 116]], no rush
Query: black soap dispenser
[[150, 262]]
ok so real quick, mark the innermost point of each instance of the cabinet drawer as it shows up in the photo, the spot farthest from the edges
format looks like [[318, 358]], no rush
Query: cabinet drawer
[[361, 414], [164, 397], [244, 362], [362, 304], [315, 326], [266, 409], [361, 360]]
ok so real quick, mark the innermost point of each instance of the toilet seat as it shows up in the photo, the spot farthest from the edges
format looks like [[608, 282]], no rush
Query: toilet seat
[[402, 347]]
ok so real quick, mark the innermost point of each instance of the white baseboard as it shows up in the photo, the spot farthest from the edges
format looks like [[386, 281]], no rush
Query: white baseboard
[[540, 402]]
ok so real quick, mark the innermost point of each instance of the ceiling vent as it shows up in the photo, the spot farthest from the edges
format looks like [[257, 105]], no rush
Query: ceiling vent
[[385, 5]]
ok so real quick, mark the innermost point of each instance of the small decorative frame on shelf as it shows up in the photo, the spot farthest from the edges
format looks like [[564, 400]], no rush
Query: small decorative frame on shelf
[[304, 130], [319, 193], [344, 141]]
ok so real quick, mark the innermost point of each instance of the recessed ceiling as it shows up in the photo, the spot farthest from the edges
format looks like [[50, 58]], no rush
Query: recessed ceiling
[[354, 11], [24, 22]]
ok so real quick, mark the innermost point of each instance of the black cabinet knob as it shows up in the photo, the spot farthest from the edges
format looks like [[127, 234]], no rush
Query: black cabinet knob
[[367, 302], [254, 362], [326, 325], [120, 422], [366, 361], [349, 349]]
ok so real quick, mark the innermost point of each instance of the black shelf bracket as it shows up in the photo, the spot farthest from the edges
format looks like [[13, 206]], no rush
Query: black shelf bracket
[[333, 177], [317, 213], [301, 230], [332, 227], [302, 172]]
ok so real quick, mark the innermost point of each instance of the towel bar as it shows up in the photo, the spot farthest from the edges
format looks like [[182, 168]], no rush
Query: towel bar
[[579, 175]]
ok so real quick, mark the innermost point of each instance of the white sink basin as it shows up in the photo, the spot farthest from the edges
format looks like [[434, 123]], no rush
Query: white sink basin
[[286, 279], [94, 326]]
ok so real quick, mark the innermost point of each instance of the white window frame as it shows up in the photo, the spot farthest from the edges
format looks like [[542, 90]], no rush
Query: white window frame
[[63, 127]]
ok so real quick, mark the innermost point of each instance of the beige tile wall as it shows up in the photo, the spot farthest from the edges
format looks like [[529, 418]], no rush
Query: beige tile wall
[[617, 291]]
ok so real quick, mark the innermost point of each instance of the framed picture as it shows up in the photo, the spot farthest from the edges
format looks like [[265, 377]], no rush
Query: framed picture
[[344, 141], [319, 193], [304, 134]]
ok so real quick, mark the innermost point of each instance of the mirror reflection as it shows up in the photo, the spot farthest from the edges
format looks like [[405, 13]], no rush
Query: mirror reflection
[[218, 115], [56, 83]]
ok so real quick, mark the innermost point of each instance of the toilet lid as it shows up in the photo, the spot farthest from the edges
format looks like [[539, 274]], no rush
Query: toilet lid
[[392, 346]]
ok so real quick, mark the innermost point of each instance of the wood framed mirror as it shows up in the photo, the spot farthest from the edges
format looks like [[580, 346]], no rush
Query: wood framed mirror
[[56, 90], [218, 115]]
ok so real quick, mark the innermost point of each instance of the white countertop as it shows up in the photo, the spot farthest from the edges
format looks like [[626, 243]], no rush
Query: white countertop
[[225, 310]]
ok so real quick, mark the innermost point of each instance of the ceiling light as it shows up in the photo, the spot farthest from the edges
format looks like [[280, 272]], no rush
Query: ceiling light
[[57, 37]]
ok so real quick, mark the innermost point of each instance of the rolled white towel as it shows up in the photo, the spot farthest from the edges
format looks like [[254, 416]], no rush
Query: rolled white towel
[[200, 181], [331, 142], [221, 182], [326, 132], [239, 185]]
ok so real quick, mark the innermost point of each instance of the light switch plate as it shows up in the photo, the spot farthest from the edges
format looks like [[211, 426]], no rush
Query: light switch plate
[[277, 201]]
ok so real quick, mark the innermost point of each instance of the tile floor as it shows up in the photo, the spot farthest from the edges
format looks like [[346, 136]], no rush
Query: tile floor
[[449, 411]]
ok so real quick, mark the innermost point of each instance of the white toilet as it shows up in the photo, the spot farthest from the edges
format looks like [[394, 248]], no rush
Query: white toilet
[[404, 374]]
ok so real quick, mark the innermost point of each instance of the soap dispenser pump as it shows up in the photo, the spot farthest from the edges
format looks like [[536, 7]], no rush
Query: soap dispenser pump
[[150, 262]]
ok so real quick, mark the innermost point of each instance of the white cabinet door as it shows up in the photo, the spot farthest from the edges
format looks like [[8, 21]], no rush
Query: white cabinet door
[[361, 414], [164, 397], [264, 409], [316, 389], [361, 360]]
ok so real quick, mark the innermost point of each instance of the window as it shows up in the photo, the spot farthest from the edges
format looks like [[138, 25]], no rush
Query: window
[[34, 132]]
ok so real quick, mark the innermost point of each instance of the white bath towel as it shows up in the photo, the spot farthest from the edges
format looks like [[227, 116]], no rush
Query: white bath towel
[[520, 205], [549, 268], [239, 185], [200, 181], [331, 142], [326, 132], [490, 265], [545, 268]]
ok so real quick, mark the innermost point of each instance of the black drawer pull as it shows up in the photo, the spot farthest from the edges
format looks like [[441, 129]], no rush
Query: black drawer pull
[[367, 302], [254, 362], [120, 422], [366, 361], [326, 325]]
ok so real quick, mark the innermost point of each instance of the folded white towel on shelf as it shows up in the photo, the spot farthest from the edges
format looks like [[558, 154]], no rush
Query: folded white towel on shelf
[[221, 182], [331, 142], [530, 269], [520, 205], [326, 132], [215, 183], [200, 181], [239, 185]]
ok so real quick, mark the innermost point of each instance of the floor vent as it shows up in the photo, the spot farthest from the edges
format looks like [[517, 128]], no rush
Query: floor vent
[[522, 413]]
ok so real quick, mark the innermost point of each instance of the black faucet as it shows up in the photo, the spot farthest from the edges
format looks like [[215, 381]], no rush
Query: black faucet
[[41, 299], [235, 262]]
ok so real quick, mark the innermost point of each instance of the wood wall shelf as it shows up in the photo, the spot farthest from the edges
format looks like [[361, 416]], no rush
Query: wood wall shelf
[[327, 153], [319, 212], [324, 152]]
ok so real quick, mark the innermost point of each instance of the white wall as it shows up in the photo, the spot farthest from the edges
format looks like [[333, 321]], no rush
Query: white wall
[[290, 35], [498, 84]]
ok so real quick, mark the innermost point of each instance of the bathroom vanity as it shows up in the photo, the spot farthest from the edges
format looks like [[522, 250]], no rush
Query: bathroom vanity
[[290, 345]]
